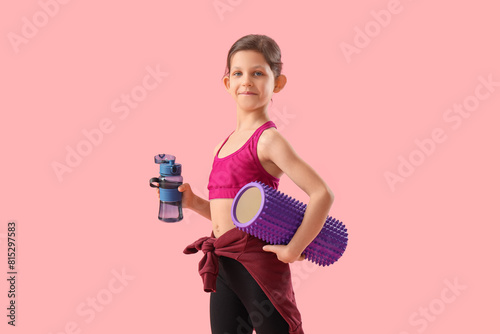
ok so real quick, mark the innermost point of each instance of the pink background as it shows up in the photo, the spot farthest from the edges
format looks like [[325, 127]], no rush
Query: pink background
[[350, 117]]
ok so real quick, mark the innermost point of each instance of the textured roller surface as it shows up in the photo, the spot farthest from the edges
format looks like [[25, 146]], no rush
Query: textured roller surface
[[279, 216]]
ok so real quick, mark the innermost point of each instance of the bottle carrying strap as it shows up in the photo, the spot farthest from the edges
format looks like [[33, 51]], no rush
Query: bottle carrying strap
[[152, 184], [168, 189], [155, 183]]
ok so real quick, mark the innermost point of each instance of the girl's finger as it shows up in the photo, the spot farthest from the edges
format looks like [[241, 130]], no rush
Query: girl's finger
[[183, 187]]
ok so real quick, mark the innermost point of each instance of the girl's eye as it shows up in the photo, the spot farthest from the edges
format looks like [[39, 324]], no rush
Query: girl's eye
[[258, 73]]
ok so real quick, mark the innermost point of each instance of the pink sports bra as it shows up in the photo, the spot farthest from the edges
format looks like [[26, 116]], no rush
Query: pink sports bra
[[231, 173]]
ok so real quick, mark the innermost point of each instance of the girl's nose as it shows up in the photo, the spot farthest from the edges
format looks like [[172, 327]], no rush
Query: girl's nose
[[246, 80]]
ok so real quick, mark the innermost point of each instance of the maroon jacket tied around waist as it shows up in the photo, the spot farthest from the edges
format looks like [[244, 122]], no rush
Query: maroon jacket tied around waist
[[272, 275]]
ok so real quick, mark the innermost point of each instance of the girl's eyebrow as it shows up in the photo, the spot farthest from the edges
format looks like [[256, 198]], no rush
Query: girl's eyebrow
[[238, 68]]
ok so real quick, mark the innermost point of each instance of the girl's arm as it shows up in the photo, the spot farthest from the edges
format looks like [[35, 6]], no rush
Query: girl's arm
[[193, 202], [273, 147]]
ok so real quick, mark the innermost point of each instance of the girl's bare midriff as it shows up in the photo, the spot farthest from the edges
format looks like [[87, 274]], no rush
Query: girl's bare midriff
[[220, 210]]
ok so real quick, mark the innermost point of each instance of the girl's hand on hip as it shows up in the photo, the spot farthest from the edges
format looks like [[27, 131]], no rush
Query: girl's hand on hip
[[283, 253]]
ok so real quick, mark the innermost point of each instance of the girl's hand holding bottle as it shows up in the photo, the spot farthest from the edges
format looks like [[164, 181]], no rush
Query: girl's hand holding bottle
[[188, 197]]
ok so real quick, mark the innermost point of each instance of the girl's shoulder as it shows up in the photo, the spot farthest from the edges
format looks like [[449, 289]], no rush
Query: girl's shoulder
[[270, 136], [216, 149], [270, 141]]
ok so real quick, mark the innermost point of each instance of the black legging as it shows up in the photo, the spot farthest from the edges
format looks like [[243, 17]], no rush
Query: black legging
[[239, 305]]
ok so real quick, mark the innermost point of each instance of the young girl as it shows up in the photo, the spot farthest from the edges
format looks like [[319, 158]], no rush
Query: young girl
[[249, 280]]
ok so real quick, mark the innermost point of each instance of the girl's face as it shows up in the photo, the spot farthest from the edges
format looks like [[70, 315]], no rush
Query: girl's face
[[251, 82]]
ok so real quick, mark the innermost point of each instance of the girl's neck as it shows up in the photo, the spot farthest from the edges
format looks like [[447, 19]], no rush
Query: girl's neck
[[250, 120]]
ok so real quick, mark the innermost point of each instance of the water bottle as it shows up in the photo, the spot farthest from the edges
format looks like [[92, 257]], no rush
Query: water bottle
[[168, 182]]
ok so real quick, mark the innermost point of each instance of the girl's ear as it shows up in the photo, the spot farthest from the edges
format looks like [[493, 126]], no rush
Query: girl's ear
[[279, 83], [226, 82]]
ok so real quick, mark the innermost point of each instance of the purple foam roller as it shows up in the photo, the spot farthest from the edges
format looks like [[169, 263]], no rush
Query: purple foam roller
[[272, 216]]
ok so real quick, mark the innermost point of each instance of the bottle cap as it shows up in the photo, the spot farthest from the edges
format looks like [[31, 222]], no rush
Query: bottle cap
[[168, 167]]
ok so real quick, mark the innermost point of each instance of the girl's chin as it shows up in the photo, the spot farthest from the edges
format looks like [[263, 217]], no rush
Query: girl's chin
[[250, 107]]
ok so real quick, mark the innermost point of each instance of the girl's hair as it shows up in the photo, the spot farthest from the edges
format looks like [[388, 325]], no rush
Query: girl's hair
[[260, 43]]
